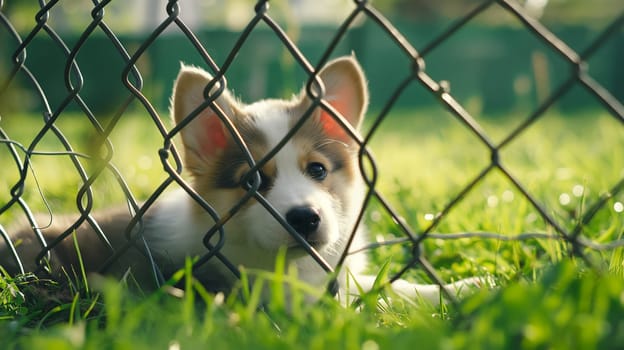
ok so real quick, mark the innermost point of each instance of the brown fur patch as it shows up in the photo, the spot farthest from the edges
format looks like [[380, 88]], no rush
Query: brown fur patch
[[315, 144], [226, 171]]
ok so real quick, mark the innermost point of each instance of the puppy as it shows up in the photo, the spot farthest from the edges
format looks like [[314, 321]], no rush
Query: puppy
[[311, 182]]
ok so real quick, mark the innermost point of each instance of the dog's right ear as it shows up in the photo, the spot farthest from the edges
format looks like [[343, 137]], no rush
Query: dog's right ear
[[204, 136]]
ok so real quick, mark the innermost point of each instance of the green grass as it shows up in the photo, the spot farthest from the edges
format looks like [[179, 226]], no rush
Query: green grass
[[424, 159]]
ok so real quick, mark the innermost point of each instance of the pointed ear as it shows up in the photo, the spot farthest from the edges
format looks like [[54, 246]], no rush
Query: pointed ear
[[205, 136], [346, 92]]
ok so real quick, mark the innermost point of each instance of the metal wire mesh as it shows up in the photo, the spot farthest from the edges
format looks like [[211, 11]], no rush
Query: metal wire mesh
[[21, 155]]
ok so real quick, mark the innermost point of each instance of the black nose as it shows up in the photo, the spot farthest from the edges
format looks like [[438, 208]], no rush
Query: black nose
[[304, 220]]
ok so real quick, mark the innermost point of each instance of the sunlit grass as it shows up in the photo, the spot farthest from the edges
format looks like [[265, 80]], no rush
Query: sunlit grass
[[565, 163], [424, 159]]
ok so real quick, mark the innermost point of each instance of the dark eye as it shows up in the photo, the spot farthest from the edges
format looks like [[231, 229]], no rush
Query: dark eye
[[316, 171], [266, 184]]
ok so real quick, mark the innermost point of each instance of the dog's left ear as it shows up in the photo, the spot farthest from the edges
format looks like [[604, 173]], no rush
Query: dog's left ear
[[346, 92]]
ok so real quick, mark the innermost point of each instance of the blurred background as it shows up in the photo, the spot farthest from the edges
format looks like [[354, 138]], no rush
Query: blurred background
[[493, 65]]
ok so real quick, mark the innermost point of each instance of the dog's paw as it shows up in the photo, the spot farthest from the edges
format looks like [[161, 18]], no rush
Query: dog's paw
[[469, 285]]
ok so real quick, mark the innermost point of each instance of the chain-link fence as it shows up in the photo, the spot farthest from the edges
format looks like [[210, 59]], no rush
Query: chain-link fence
[[17, 157]]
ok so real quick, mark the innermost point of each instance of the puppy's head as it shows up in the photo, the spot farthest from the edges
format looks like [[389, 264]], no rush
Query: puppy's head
[[313, 181]]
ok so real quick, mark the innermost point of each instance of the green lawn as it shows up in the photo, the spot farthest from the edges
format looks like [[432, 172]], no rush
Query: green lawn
[[424, 159]]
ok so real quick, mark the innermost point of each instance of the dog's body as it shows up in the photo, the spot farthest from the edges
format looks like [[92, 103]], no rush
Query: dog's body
[[313, 182]]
